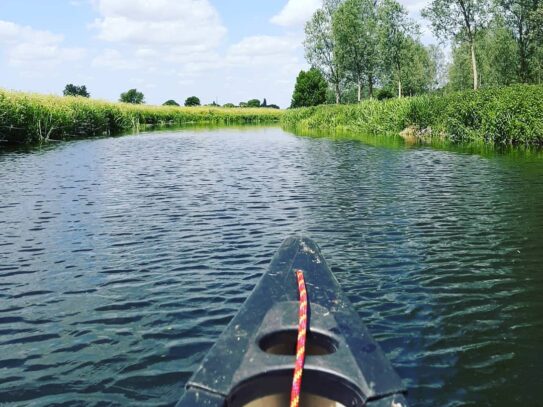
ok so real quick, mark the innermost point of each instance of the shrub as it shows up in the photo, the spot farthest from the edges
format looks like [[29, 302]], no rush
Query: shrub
[[132, 96], [510, 115], [192, 101]]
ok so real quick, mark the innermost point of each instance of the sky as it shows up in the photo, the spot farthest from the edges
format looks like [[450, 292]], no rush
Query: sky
[[226, 51]]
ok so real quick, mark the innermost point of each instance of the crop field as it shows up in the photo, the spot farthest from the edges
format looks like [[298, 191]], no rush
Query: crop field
[[32, 118]]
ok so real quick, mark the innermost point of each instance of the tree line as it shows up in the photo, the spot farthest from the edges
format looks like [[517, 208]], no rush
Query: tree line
[[370, 48], [134, 96]]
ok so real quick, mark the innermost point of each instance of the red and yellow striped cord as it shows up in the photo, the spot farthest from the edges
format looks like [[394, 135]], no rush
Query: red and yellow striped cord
[[300, 346]]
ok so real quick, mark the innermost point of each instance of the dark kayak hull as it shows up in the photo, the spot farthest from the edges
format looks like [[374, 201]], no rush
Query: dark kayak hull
[[252, 362]]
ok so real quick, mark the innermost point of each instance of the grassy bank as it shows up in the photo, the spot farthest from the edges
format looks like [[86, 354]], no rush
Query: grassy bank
[[505, 116], [30, 118]]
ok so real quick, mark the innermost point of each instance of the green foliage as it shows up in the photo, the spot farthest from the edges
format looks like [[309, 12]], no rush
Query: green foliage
[[310, 89], [502, 116], [132, 96], [397, 45], [459, 20], [29, 118], [497, 60], [356, 38], [384, 93], [319, 45], [192, 101], [170, 102], [73, 90], [253, 103], [419, 71], [229, 105]]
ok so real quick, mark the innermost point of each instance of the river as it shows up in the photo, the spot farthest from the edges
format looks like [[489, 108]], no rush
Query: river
[[122, 259]]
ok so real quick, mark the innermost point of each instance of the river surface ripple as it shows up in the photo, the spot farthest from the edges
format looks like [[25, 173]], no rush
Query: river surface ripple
[[122, 260]]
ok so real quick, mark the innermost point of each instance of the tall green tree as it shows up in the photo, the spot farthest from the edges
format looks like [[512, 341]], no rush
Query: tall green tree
[[419, 74], [310, 89], [497, 59], [521, 17], [73, 90], [537, 36], [132, 96], [356, 41], [395, 31], [319, 45], [459, 20]]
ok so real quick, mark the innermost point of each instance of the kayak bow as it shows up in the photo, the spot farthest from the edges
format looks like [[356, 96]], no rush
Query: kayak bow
[[252, 362]]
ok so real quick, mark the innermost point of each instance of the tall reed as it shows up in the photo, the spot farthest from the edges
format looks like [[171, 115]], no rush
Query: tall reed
[[29, 118]]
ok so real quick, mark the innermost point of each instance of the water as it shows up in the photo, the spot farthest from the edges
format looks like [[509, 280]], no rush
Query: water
[[122, 259]]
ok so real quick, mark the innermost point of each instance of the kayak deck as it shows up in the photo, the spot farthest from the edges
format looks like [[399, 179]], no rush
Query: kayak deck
[[251, 363]]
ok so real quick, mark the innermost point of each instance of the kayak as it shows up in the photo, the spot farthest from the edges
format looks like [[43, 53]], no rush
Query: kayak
[[252, 362]]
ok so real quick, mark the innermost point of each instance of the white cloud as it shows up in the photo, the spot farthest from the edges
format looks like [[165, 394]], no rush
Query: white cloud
[[296, 13], [188, 25], [26, 46], [113, 59], [263, 49]]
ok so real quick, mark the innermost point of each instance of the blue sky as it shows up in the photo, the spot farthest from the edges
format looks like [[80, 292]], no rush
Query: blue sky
[[224, 50]]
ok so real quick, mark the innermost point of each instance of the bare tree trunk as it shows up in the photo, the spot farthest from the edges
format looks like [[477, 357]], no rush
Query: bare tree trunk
[[474, 65], [359, 84], [337, 93], [399, 89], [370, 85]]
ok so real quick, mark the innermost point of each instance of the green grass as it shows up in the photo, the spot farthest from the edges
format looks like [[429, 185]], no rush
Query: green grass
[[501, 116], [31, 118]]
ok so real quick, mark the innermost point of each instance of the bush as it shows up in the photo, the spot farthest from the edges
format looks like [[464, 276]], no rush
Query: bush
[[170, 102], [192, 101], [511, 115], [132, 96], [383, 94], [73, 90], [310, 89]]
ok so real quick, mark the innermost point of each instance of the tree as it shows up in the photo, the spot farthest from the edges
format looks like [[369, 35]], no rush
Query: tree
[[229, 105], [521, 18], [253, 103], [437, 56], [319, 45], [420, 71], [395, 30], [537, 36], [170, 102], [192, 101], [73, 90], [459, 19], [310, 89], [355, 35], [132, 96], [497, 59], [264, 103]]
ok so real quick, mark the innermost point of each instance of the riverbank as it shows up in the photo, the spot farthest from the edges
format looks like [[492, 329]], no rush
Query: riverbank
[[32, 118], [505, 116]]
